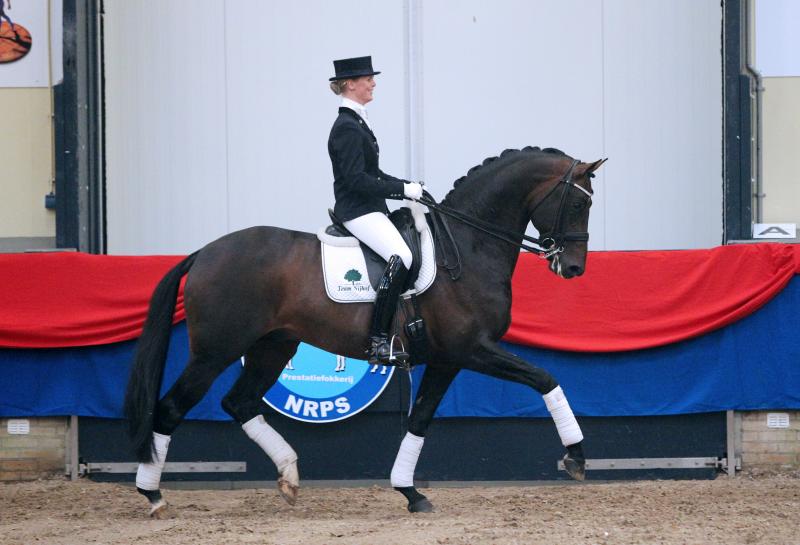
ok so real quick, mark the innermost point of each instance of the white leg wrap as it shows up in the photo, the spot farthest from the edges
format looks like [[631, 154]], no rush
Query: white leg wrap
[[276, 447], [148, 476], [291, 474], [567, 426], [406, 461]]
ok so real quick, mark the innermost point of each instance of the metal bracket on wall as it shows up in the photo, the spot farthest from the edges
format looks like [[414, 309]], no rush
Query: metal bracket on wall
[[653, 463], [73, 465], [169, 467]]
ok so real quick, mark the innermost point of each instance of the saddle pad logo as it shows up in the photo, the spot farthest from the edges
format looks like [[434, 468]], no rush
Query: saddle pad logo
[[320, 387], [354, 276]]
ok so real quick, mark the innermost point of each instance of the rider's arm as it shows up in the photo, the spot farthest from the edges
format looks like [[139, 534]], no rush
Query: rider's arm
[[385, 176], [411, 189]]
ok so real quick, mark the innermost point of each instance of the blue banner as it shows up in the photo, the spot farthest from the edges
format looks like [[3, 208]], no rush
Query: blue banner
[[91, 381], [751, 364]]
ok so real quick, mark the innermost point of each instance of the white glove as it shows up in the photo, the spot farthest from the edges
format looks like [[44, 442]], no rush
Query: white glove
[[412, 190]]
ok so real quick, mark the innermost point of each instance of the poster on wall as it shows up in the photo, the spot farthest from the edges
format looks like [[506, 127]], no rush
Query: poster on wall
[[24, 59], [320, 387]]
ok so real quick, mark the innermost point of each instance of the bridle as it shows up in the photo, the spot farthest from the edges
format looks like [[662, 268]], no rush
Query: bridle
[[550, 244], [554, 240]]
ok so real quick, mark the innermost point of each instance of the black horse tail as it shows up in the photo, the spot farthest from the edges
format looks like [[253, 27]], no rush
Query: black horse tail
[[144, 384]]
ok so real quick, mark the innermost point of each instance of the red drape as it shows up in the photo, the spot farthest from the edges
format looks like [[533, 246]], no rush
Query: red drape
[[51, 300], [625, 301], [634, 300]]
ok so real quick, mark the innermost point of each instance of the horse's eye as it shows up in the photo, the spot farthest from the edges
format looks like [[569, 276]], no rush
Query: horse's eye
[[591, 175]]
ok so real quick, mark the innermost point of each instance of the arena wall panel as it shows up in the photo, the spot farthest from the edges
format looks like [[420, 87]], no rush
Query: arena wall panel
[[218, 112]]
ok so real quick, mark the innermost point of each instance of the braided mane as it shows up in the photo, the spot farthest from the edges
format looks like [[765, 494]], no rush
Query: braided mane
[[503, 155]]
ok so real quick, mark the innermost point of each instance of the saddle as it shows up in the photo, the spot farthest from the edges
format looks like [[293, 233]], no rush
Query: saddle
[[345, 260], [403, 221]]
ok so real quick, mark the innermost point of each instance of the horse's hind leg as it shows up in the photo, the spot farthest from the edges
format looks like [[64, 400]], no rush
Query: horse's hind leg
[[263, 364], [435, 382], [187, 391]]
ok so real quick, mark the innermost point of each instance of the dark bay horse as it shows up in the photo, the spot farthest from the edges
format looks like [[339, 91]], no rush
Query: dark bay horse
[[259, 292]]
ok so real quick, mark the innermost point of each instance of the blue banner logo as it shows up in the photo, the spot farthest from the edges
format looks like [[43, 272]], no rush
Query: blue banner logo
[[319, 387]]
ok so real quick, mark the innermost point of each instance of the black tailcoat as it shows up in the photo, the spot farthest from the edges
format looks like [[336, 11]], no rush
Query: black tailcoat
[[359, 186]]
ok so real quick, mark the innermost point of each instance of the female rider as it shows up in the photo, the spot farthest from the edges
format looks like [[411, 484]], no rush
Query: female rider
[[361, 190]]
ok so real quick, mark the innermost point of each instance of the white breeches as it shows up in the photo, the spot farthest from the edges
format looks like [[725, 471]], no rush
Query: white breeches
[[377, 231]]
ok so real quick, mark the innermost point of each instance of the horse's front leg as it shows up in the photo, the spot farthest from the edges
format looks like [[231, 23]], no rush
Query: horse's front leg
[[435, 382], [492, 360]]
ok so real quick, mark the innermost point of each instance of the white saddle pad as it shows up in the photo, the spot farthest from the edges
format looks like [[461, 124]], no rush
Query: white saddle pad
[[345, 269]]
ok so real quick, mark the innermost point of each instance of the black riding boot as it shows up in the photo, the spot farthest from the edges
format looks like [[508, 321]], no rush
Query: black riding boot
[[389, 289]]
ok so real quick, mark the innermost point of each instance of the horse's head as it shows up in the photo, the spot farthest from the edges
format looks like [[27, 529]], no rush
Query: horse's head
[[559, 209]]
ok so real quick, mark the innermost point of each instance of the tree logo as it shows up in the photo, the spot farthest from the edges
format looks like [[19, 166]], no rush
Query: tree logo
[[352, 276]]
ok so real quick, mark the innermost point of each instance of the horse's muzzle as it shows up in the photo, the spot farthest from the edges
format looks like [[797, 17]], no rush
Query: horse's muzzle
[[564, 270], [572, 271]]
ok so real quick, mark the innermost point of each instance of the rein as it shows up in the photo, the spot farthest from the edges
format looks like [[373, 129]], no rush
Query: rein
[[549, 245]]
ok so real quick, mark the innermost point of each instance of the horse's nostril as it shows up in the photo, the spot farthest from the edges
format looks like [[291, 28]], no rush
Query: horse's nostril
[[575, 270]]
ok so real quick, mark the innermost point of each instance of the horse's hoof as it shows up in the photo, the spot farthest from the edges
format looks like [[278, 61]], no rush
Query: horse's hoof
[[575, 468], [417, 503], [159, 510], [288, 491], [421, 506]]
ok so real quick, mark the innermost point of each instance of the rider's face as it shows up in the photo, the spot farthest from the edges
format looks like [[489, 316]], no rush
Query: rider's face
[[361, 89]]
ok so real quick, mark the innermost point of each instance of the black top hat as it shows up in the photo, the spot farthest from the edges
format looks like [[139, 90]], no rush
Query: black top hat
[[353, 68]]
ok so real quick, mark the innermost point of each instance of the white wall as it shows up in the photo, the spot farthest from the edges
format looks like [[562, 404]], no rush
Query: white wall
[[662, 96], [219, 112], [280, 108], [777, 41], [166, 122], [508, 74]]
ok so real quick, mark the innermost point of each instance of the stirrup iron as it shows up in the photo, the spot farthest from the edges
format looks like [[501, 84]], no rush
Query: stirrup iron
[[398, 359]]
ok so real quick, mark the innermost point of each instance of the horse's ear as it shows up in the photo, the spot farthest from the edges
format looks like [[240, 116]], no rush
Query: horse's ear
[[594, 166]]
